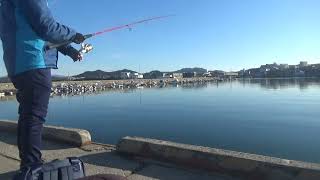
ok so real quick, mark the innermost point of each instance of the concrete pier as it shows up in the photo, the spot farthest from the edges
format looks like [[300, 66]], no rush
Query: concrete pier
[[143, 159], [100, 159], [76, 137], [237, 164]]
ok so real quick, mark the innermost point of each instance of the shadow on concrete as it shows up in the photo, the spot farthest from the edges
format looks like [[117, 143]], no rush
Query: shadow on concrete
[[111, 160], [112, 163], [7, 176], [11, 139], [141, 170], [49, 145]]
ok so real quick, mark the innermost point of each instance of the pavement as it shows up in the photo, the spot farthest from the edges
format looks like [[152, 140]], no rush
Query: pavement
[[101, 159]]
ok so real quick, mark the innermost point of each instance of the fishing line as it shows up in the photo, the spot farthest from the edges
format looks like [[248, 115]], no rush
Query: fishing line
[[129, 25], [126, 26]]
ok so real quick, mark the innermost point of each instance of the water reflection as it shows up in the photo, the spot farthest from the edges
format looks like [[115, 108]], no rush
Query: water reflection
[[195, 85], [276, 84], [236, 115], [271, 84]]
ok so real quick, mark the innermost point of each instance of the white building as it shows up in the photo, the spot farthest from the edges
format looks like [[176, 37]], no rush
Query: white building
[[177, 75], [136, 76], [231, 74]]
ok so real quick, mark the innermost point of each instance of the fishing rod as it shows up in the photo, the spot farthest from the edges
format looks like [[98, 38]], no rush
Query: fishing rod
[[85, 48]]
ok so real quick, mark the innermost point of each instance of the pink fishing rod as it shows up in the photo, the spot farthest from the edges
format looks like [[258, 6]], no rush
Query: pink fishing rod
[[129, 25], [111, 29]]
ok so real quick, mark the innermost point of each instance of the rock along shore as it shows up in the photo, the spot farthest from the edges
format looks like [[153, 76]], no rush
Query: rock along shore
[[93, 86]]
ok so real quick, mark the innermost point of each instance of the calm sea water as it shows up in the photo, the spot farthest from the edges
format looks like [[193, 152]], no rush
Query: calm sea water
[[271, 117]]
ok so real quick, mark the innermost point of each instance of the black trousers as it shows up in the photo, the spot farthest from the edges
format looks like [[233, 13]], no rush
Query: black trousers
[[34, 88]]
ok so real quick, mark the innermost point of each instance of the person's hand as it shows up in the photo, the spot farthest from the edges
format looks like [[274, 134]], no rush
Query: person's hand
[[78, 38], [74, 54]]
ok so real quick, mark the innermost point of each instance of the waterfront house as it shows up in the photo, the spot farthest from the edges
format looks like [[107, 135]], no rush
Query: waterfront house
[[136, 76], [217, 73], [231, 74], [177, 75]]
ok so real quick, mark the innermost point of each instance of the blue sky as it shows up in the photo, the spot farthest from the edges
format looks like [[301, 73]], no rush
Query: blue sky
[[214, 34]]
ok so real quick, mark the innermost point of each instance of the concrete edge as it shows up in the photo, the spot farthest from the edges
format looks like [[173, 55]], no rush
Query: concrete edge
[[239, 164], [76, 137]]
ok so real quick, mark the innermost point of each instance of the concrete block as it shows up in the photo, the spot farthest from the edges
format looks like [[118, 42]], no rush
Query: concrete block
[[238, 164], [77, 137]]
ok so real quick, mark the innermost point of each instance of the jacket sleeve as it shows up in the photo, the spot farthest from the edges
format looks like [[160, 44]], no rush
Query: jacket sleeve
[[39, 16]]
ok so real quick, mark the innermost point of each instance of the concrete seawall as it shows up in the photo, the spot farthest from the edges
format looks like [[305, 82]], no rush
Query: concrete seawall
[[77, 137], [237, 164]]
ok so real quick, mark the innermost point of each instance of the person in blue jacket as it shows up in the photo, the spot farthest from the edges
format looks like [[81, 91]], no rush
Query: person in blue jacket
[[26, 28]]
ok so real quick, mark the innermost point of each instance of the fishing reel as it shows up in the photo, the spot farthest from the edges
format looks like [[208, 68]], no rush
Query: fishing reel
[[85, 48]]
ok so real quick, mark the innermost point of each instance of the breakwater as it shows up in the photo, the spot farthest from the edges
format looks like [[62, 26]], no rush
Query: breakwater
[[95, 86]]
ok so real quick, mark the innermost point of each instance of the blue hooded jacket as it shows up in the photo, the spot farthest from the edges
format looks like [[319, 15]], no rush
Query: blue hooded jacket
[[26, 27]]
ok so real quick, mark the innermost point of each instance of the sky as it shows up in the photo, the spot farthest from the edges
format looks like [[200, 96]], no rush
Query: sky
[[214, 34]]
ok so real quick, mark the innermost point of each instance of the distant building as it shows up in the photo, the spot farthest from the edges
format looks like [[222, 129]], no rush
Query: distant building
[[136, 76], [317, 66], [208, 74], [153, 75], [303, 69], [293, 66], [217, 73], [264, 69], [177, 75], [284, 66], [140, 76], [268, 67], [242, 72], [231, 74], [303, 64], [167, 75], [125, 75], [189, 74]]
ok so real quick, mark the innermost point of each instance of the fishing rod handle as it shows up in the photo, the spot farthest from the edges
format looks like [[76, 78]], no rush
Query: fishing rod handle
[[53, 46]]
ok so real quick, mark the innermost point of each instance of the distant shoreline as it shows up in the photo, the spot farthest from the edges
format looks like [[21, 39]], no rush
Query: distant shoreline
[[80, 87], [91, 86]]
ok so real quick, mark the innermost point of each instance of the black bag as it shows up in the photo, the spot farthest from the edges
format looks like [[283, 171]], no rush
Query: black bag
[[68, 169]]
